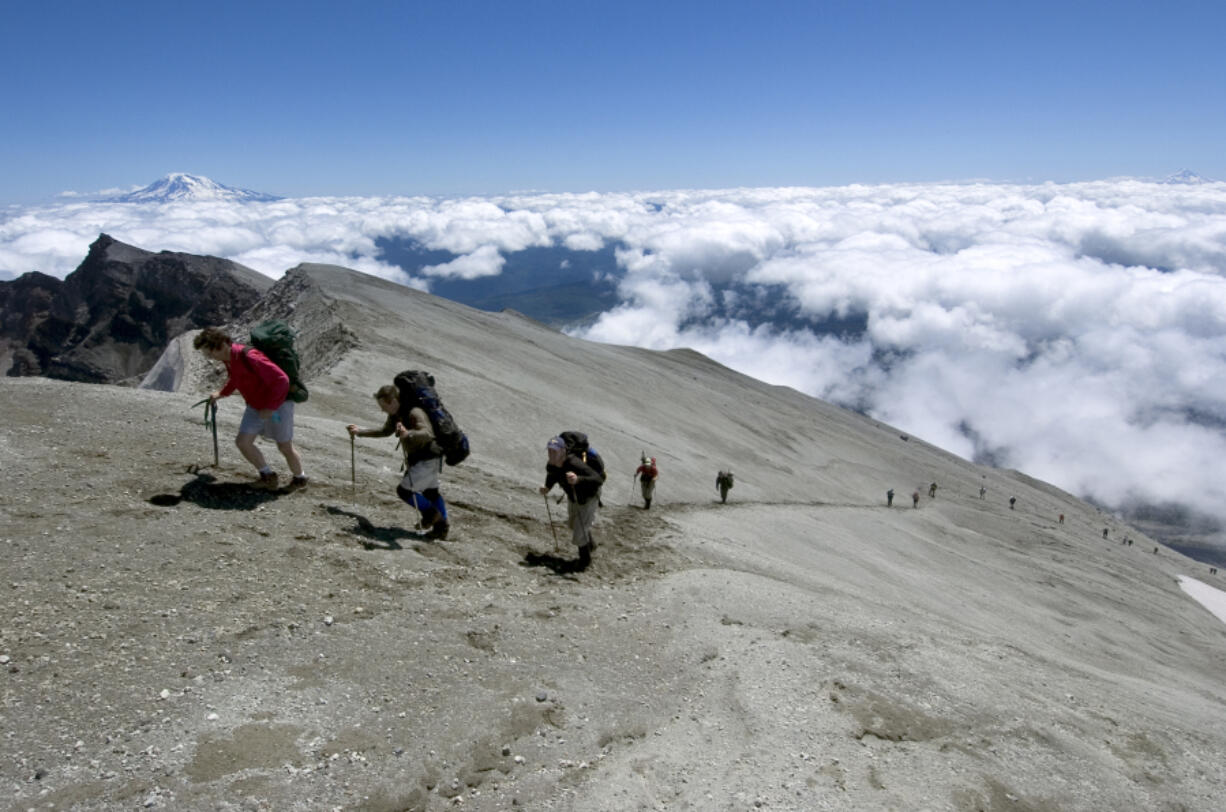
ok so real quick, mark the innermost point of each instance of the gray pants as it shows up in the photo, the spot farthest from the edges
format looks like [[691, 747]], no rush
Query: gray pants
[[581, 518]]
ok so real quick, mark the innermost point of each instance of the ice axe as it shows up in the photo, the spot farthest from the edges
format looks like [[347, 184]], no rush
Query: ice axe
[[213, 423], [210, 421]]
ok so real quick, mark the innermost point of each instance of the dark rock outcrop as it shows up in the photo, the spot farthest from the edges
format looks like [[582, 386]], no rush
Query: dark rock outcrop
[[299, 298], [110, 319]]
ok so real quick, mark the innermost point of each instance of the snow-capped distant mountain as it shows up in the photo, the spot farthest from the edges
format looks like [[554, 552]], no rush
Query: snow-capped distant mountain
[[1187, 176], [180, 186]]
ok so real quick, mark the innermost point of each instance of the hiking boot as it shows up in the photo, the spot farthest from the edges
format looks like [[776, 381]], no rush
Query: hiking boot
[[298, 482], [439, 531], [585, 555], [267, 482]]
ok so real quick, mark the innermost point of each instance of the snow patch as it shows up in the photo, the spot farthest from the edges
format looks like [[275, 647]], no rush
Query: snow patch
[[1209, 597]]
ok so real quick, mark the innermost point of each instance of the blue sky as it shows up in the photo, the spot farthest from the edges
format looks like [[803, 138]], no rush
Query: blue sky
[[736, 151], [461, 97]]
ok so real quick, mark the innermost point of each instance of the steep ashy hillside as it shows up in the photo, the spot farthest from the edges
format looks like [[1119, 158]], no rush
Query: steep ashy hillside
[[513, 383], [177, 640]]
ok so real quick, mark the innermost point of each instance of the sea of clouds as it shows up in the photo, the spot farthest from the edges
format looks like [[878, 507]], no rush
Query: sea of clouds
[[1076, 332]]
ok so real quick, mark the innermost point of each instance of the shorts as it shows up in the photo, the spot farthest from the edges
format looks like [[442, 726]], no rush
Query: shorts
[[422, 475], [279, 427]]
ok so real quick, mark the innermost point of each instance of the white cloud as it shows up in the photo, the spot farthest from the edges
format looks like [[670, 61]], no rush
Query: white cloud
[[1078, 332], [485, 261]]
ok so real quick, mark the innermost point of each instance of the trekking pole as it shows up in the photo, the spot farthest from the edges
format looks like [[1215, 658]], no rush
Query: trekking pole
[[549, 510], [353, 463]]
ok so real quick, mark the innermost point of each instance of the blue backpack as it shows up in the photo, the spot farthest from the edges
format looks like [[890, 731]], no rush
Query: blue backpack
[[417, 389]]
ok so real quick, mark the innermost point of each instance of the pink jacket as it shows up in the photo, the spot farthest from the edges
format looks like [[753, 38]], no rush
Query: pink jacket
[[261, 382]]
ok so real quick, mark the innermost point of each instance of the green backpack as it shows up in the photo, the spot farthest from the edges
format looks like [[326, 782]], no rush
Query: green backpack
[[275, 339]]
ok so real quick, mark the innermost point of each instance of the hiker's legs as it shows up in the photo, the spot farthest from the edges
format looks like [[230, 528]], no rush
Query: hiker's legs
[[419, 501], [419, 482], [435, 500], [580, 518], [440, 525], [250, 451], [291, 457], [280, 429]]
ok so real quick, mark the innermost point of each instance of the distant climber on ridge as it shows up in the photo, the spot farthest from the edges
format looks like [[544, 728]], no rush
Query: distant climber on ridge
[[647, 474]]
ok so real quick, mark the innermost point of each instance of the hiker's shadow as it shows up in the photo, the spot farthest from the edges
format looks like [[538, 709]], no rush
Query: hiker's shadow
[[564, 567], [381, 538], [207, 492]]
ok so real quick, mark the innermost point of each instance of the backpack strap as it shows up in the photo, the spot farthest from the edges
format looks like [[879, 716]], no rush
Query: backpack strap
[[251, 365]]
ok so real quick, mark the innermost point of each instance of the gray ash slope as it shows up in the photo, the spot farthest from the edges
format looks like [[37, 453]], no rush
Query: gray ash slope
[[175, 640]]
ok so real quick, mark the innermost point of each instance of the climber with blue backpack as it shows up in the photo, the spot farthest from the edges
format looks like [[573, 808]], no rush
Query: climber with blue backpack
[[428, 437]]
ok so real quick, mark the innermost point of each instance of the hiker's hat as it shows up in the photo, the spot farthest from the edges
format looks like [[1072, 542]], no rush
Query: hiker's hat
[[556, 444]]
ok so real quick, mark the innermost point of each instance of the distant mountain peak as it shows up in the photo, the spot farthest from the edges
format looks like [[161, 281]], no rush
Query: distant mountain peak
[[180, 186], [1186, 176]]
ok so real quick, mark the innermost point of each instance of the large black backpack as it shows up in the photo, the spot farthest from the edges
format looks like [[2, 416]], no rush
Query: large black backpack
[[275, 339], [417, 389], [577, 445]]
